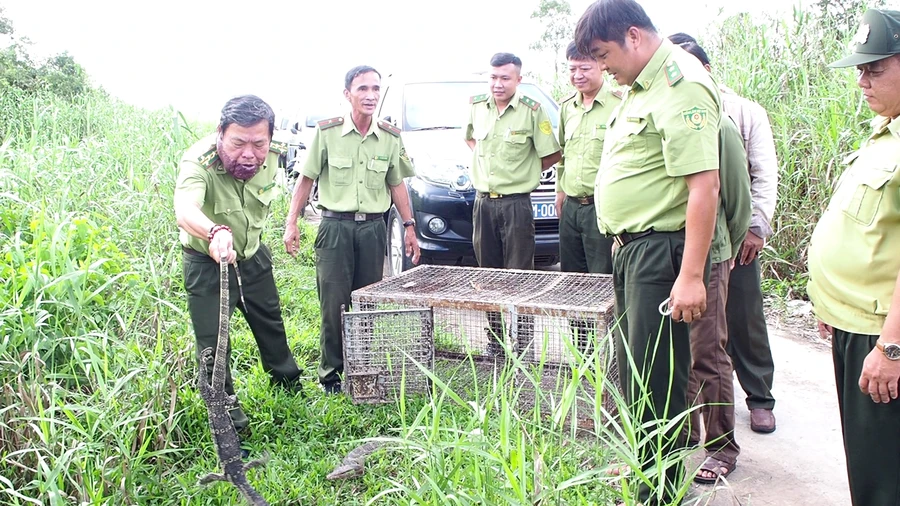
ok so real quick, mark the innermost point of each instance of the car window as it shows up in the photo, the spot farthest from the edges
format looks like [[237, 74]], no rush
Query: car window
[[444, 105], [312, 119]]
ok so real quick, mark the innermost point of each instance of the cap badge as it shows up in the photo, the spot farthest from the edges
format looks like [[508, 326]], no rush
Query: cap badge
[[861, 37]]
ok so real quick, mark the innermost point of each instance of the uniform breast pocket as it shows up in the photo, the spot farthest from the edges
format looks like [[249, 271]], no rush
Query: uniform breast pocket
[[861, 204], [228, 206], [631, 139], [515, 147], [375, 174], [340, 170], [596, 141]]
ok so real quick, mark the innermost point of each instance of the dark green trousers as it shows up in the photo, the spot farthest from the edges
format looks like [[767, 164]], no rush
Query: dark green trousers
[[644, 272], [871, 431], [349, 256], [582, 248], [263, 315], [503, 235], [748, 338]]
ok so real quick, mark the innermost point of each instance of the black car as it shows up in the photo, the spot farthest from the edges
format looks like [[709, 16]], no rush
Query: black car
[[431, 114]]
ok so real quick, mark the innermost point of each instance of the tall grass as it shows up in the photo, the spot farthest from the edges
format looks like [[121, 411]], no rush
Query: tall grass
[[816, 113]]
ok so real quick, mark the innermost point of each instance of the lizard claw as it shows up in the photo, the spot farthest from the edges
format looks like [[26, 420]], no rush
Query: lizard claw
[[211, 477]]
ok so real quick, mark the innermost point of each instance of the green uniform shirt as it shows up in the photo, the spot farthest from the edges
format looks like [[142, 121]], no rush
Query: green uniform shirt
[[509, 145], [854, 253], [735, 208], [581, 132], [355, 171], [666, 128], [242, 206]]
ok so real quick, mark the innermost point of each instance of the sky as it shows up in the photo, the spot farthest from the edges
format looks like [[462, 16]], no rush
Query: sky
[[196, 54]]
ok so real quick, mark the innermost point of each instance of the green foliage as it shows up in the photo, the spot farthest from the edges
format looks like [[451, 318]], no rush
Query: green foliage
[[555, 17], [59, 75]]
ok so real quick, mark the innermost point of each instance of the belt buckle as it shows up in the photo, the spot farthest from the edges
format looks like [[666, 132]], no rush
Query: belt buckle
[[618, 240], [494, 195], [359, 217], [584, 200]]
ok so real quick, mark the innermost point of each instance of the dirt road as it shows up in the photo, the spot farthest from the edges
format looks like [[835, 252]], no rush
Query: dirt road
[[802, 462]]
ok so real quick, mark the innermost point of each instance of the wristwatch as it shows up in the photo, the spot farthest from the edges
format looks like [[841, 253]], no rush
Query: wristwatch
[[409, 223], [890, 350]]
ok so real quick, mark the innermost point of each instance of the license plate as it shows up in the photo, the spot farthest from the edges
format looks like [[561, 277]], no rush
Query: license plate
[[543, 210]]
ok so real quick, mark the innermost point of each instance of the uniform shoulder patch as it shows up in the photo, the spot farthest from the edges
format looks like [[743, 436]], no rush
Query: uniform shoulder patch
[[618, 94], [673, 73], [207, 158], [474, 99], [530, 102], [278, 147], [387, 127], [331, 122]]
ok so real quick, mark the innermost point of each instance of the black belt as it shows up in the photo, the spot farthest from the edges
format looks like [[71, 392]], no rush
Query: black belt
[[193, 252], [495, 195], [626, 237], [351, 216], [585, 201]]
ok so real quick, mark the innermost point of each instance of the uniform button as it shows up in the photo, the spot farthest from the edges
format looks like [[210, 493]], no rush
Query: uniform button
[[360, 162], [228, 210], [360, 182]]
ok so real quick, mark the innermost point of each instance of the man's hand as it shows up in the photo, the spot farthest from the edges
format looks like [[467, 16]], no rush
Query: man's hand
[[880, 377], [560, 198], [222, 248], [412, 245], [825, 330], [751, 247], [291, 238], [688, 299]]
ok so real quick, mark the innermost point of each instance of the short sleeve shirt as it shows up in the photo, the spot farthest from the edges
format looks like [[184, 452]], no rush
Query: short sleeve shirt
[[667, 127], [853, 253], [355, 172], [581, 133], [509, 144], [241, 205]]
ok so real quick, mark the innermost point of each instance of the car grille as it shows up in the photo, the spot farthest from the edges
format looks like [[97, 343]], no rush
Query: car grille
[[546, 227]]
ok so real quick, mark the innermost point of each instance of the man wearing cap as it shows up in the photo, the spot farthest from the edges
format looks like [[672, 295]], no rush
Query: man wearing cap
[[360, 165], [854, 272], [582, 126], [748, 337], [226, 182], [657, 193]]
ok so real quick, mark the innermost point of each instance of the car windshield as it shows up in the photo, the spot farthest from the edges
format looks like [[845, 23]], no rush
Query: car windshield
[[432, 106]]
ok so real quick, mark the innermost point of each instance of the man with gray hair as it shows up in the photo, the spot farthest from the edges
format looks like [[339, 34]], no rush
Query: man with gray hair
[[226, 182]]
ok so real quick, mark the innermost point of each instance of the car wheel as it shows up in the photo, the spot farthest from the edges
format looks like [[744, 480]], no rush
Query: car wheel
[[396, 250]]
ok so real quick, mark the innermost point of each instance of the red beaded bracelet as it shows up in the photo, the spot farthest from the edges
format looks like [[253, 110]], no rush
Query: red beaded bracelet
[[216, 229]]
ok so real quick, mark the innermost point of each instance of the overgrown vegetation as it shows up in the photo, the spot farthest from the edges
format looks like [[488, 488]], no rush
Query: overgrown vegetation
[[96, 354]]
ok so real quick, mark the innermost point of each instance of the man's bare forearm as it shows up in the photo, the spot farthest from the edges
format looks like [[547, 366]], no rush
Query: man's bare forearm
[[401, 199], [702, 206], [192, 220], [549, 160], [299, 198], [891, 331]]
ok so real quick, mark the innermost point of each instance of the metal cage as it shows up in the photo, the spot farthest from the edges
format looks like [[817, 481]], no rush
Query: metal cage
[[383, 352], [549, 319]]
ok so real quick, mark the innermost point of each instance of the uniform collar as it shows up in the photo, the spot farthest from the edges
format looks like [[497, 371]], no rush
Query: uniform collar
[[513, 102], [600, 98], [654, 67], [350, 126]]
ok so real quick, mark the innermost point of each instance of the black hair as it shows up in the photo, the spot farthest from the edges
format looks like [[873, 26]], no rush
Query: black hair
[[609, 21], [356, 72], [501, 59], [572, 53], [690, 45], [246, 111]]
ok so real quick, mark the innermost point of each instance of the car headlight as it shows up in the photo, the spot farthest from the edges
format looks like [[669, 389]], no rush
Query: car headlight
[[449, 175]]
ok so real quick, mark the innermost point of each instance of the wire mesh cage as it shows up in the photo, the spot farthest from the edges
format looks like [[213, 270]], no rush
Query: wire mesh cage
[[549, 319], [381, 352]]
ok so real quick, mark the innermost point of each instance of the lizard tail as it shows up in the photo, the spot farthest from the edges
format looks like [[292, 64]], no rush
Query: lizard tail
[[250, 494]]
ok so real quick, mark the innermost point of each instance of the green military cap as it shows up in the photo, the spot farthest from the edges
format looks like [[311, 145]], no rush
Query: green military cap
[[878, 37]]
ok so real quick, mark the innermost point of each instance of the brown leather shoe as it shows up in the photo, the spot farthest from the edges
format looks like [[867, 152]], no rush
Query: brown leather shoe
[[762, 420]]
